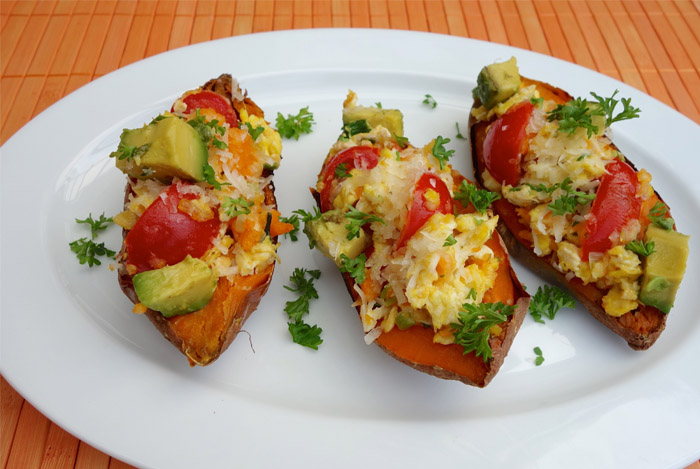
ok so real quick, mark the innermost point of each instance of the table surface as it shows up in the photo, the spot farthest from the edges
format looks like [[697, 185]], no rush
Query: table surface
[[49, 48]]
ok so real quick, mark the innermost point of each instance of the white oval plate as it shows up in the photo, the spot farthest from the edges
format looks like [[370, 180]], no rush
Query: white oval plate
[[72, 347]]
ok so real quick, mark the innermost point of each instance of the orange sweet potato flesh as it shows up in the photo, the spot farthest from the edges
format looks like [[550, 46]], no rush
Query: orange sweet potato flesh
[[415, 347], [640, 328], [202, 336]]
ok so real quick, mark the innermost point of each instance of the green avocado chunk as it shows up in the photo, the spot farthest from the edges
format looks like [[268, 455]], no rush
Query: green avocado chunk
[[162, 150], [664, 268], [176, 289], [329, 235], [391, 119], [497, 82]]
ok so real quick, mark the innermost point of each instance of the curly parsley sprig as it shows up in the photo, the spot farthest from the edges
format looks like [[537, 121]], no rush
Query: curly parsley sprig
[[303, 285], [472, 331], [481, 199], [548, 301], [357, 219], [440, 152], [87, 250], [294, 125]]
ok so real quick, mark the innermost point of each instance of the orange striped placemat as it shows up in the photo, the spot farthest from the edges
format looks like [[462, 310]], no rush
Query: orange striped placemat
[[49, 48]]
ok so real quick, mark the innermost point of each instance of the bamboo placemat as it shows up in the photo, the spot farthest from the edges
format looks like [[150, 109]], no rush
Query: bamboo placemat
[[49, 48]]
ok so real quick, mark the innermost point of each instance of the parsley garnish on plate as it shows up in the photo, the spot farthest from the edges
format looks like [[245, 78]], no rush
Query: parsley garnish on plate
[[472, 331], [548, 301], [539, 358], [301, 332], [430, 101], [294, 125], [98, 225], [87, 250]]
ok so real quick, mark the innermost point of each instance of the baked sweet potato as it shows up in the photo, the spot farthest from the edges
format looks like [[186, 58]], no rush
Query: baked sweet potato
[[226, 218], [573, 209], [428, 274]]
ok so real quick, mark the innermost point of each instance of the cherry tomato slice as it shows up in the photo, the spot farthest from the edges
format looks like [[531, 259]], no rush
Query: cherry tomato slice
[[421, 209], [353, 157], [209, 99], [503, 145], [163, 235], [615, 204]]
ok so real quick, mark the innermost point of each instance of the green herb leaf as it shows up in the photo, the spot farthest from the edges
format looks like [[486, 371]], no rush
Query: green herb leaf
[[481, 199], [254, 131], [459, 133], [341, 171], [305, 334], [294, 126], [357, 219], [294, 221], [539, 359], [234, 207], [303, 284], [221, 145], [355, 267], [126, 152], [571, 199], [537, 101], [472, 331], [210, 177], [658, 216], [450, 241], [98, 225], [430, 101], [608, 105], [548, 301], [439, 151], [87, 251], [641, 248], [574, 114], [356, 127], [402, 142], [378, 104]]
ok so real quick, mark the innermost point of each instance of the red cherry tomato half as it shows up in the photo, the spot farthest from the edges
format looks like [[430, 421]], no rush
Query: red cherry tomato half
[[615, 204], [209, 99], [163, 235], [421, 210], [503, 145], [353, 157]]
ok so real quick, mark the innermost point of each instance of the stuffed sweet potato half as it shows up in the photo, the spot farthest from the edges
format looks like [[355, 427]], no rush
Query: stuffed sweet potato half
[[572, 207], [200, 223], [426, 270]]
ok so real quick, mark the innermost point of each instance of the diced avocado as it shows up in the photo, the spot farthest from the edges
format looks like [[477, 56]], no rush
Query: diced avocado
[[162, 150], [664, 268], [176, 289], [497, 82], [392, 119], [329, 235], [404, 320]]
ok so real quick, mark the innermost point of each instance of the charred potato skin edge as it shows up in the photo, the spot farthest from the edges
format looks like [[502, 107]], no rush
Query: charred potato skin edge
[[542, 266], [222, 85]]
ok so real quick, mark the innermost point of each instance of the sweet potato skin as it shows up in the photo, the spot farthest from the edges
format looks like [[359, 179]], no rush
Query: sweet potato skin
[[202, 336], [640, 328]]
